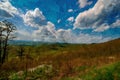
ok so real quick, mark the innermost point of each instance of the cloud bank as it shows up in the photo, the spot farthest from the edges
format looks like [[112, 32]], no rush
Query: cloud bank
[[7, 9], [48, 33], [36, 27], [83, 3], [96, 17], [34, 18]]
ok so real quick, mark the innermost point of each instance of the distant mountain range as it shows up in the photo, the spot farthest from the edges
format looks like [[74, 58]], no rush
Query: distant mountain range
[[22, 42]]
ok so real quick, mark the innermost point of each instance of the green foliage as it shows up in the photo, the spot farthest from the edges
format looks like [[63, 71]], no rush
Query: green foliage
[[109, 72], [81, 68], [70, 78]]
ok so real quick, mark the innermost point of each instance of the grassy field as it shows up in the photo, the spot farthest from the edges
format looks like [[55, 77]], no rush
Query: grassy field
[[63, 62]]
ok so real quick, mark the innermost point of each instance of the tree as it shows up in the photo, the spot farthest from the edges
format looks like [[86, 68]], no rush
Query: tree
[[6, 33], [20, 52], [2, 29]]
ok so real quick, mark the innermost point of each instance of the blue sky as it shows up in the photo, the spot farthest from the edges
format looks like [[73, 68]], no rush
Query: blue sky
[[71, 21]]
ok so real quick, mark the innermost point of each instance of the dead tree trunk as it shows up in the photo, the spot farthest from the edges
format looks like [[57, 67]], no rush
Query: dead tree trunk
[[6, 34], [0, 46], [5, 50]]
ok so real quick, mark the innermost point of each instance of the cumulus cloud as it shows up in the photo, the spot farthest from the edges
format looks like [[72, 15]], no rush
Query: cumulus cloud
[[44, 34], [102, 28], [83, 3], [47, 33], [64, 35], [105, 26], [45, 29], [71, 19], [7, 9], [70, 10], [59, 20], [116, 23], [68, 36], [96, 16], [87, 38], [23, 35], [34, 18]]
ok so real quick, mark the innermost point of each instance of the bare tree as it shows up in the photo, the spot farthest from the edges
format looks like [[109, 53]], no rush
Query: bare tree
[[2, 29], [1, 40], [6, 34], [20, 52]]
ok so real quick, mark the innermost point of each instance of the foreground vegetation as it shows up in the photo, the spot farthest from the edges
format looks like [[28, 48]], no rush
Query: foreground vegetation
[[63, 62]]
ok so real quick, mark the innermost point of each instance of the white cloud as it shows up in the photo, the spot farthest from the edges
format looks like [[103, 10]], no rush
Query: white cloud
[[71, 19], [34, 18], [86, 38], [7, 9], [45, 30], [116, 23], [95, 17], [83, 3], [47, 33], [64, 35], [102, 28], [23, 35], [44, 34], [68, 36], [70, 10], [59, 20]]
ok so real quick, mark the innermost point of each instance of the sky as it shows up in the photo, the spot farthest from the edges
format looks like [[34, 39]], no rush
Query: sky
[[69, 21]]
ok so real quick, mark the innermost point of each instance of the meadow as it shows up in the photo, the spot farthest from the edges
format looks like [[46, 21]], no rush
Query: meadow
[[63, 62]]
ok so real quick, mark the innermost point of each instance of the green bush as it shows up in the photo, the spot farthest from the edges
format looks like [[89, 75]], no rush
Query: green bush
[[110, 72]]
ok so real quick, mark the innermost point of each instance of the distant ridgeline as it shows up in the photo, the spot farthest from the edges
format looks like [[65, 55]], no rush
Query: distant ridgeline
[[32, 43], [29, 43], [21, 42]]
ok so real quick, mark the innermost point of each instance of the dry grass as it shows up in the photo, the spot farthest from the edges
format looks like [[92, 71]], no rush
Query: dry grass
[[67, 59]]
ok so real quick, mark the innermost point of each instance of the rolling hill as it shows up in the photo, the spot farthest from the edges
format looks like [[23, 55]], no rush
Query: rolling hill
[[67, 61]]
